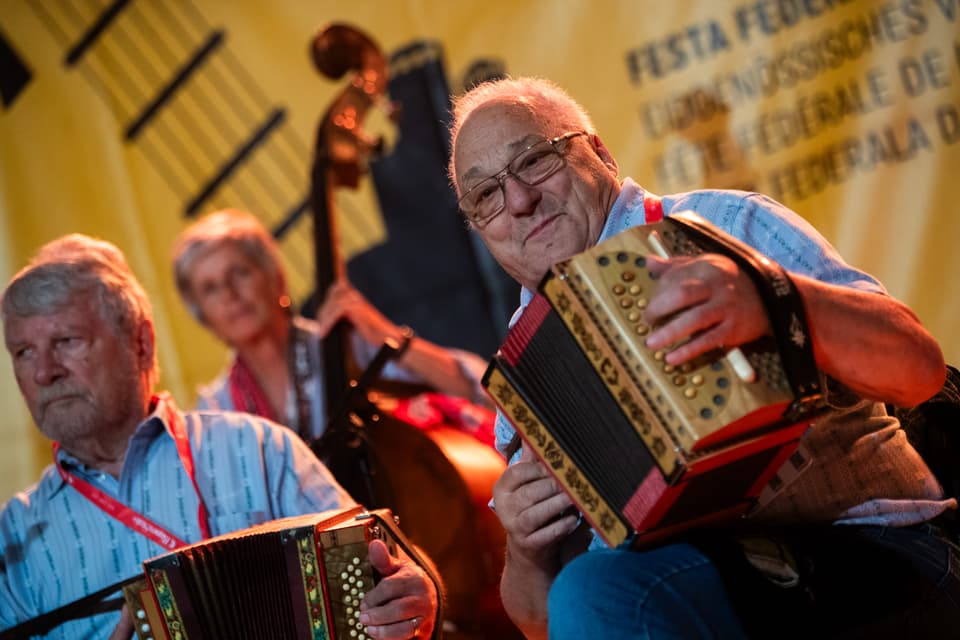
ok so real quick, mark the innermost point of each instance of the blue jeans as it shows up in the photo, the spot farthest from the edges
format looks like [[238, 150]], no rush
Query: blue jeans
[[855, 582], [667, 592]]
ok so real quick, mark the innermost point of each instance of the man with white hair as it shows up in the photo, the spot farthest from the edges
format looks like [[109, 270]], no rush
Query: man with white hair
[[537, 183], [133, 476]]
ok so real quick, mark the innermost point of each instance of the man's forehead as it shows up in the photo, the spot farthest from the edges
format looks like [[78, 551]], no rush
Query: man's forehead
[[494, 134], [506, 116], [77, 314]]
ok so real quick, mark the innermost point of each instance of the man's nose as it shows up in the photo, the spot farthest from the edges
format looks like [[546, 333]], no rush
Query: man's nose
[[519, 199], [48, 368]]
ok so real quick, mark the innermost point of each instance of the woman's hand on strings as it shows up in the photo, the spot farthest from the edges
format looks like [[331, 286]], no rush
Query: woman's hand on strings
[[343, 302]]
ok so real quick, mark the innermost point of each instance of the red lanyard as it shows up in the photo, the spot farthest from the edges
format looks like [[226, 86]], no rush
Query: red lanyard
[[174, 424]]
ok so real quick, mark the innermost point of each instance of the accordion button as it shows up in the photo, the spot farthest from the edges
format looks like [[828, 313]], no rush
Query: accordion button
[[697, 379], [619, 289], [690, 392], [628, 276]]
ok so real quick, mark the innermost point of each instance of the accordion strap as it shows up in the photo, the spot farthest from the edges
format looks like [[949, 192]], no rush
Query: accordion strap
[[84, 607], [784, 307]]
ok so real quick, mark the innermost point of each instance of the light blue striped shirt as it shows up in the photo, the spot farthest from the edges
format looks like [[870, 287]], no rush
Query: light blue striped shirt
[[57, 546]]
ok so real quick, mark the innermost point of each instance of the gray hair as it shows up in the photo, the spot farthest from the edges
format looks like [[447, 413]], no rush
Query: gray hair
[[228, 227], [542, 95], [75, 265]]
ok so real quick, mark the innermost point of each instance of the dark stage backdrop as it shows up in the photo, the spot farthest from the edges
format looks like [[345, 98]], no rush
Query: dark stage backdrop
[[432, 273]]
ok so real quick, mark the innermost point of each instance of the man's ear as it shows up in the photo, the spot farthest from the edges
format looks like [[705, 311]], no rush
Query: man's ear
[[145, 343], [604, 154]]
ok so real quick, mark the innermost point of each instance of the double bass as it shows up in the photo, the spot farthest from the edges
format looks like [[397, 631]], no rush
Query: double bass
[[438, 481]]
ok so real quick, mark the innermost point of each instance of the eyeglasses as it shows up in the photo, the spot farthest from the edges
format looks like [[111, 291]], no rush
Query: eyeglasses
[[485, 200]]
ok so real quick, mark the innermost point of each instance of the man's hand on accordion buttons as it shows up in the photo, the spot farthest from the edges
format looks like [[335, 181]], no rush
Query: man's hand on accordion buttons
[[706, 300], [404, 602], [124, 629], [537, 516]]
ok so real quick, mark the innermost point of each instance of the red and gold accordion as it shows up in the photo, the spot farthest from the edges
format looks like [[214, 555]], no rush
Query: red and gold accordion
[[645, 449], [300, 577]]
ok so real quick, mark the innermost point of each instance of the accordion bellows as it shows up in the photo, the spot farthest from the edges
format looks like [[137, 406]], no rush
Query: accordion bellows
[[300, 577], [643, 448]]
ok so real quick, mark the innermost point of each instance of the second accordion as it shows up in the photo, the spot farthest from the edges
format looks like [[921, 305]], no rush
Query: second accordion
[[643, 448], [301, 577]]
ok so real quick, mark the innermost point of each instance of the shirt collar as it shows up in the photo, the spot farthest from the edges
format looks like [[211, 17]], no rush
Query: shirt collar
[[152, 426]]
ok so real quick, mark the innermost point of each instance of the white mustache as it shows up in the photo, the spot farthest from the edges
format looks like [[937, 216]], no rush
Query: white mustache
[[51, 395]]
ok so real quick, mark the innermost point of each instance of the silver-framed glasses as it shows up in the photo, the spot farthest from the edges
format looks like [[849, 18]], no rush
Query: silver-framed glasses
[[485, 200]]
